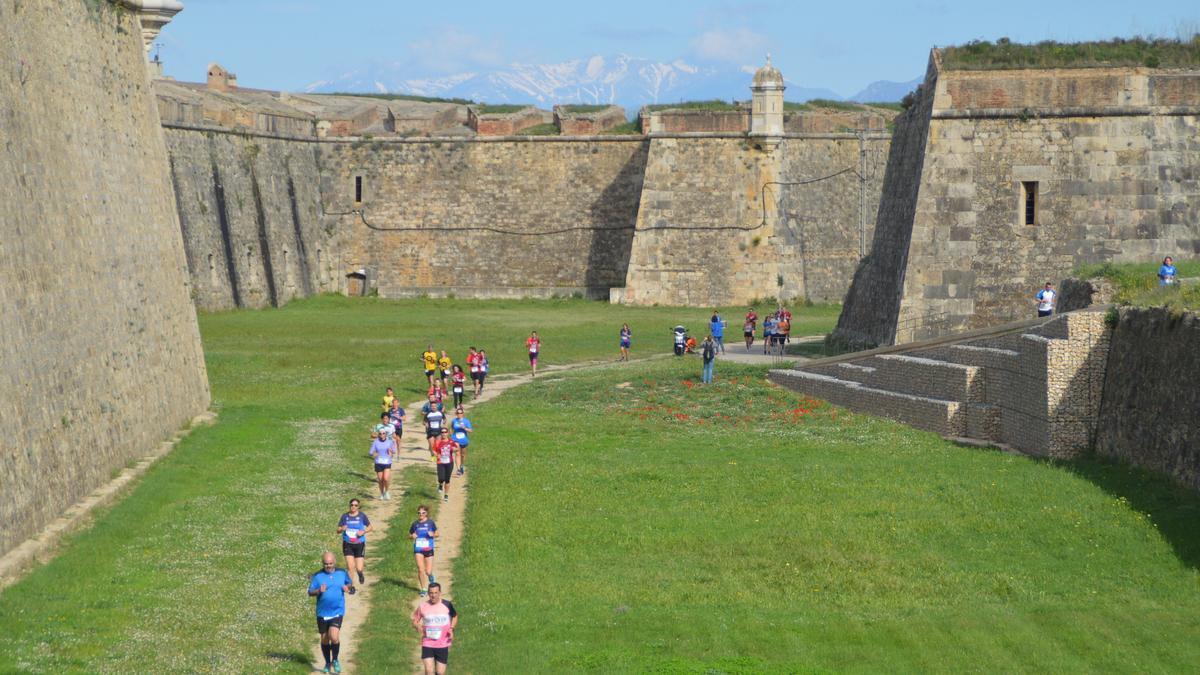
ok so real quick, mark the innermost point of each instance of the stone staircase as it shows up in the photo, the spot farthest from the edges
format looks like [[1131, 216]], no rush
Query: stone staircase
[[1031, 385]]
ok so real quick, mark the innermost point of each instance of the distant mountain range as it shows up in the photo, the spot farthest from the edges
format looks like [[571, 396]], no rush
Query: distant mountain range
[[625, 80]]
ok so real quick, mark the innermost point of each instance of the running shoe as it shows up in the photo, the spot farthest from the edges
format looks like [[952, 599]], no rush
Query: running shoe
[[460, 471], [432, 579], [423, 594], [325, 669], [337, 666], [361, 578], [445, 498], [352, 590], [439, 487]]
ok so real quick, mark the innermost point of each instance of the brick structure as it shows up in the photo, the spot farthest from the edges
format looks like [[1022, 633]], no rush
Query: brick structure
[[506, 124], [220, 79], [685, 121], [1000, 180], [586, 123]]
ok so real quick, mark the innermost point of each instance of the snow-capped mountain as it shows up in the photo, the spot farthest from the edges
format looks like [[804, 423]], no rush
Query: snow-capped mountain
[[625, 80]]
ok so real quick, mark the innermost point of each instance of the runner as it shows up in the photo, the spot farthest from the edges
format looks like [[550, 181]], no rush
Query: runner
[[445, 452], [388, 397], [354, 526], [484, 367], [534, 343], [435, 620], [461, 430], [435, 421], [783, 331], [383, 449], [444, 366], [430, 359], [626, 338], [768, 332], [384, 428], [423, 532], [458, 384], [436, 391], [396, 418], [473, 366], [748, 327], [329, 586]]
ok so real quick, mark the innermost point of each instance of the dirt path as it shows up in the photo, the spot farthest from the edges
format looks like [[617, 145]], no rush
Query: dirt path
[[450, 516]]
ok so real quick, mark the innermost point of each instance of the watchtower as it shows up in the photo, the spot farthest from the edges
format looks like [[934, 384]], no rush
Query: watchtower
[[766, 108]]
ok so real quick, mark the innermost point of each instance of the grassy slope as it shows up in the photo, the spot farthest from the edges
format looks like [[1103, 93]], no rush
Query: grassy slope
[[1137, 283], [203, 565], [638, 530]]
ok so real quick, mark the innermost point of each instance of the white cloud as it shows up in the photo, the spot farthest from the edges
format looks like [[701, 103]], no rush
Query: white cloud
[[450, 50], [738, 45]]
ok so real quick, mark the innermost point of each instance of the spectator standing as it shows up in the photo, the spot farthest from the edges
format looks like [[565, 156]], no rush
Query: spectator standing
[[708, 351], [716, 328], [1045, 300]]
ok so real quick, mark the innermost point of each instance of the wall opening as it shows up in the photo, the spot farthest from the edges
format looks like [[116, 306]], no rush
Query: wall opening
[[1029, 194], [358, 189]]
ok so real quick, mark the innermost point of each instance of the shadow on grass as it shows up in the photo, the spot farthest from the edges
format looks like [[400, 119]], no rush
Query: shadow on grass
[[290, 657], [362, 476], [399, 584], [1174, 509]]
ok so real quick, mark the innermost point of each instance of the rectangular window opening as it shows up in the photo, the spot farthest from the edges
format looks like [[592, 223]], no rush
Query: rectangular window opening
[[358, 189], [1029, 191]]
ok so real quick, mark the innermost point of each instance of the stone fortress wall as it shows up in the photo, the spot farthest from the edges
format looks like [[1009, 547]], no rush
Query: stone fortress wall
[[1110, 155], [100, 356], [272, 209]]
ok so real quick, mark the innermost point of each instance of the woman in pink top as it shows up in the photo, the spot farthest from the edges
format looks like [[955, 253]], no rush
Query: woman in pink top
[[435, 619]]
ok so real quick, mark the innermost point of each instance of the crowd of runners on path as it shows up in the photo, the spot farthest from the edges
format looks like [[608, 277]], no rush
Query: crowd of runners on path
[[447, 439]]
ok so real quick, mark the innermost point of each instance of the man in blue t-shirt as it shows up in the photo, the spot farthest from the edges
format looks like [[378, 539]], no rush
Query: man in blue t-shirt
[[716, 328], [329, 586]]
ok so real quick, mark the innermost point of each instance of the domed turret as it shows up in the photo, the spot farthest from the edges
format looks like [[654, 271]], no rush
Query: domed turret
[[766, 107]]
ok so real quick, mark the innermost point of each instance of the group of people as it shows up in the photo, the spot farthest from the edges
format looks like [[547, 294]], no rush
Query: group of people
[[447, 439]]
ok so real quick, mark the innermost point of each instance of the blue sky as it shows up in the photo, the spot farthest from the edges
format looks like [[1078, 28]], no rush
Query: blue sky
[[843, 46]]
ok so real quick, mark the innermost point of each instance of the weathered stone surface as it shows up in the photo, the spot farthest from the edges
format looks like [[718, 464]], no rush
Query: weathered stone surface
[[100, 356], [1148, 413]]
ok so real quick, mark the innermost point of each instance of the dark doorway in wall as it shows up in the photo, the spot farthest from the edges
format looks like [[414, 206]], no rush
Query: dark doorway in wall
[[356, 283], [1029, 195], [358, 189]]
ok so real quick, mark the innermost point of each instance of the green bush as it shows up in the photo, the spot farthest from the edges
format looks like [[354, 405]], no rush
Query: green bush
[[1131, 52]]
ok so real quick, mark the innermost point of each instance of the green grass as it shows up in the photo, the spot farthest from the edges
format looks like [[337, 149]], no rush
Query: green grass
[[1137, 283], [203, 566], [633, 128], [585, 108], [545, 129], [499, 108], [713, 104], [671, 527], [405, 97], [1138, 51]]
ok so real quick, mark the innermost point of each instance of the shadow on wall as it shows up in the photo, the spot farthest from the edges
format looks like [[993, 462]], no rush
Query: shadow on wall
[[1174, 509], [615, 210]]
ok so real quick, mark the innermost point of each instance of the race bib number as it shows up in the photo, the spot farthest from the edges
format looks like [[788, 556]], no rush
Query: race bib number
[[433, 632], [353, 534], [458, 389], [422, 544]]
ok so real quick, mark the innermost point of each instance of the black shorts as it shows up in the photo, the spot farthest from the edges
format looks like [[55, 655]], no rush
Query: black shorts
[[427, 553], [748, 333], [1045, 312], [380, 468], [475, 376], [532, 356], [429, 373], [354, 550], [325, 624], [446, 374], [433, 433], [439, 654], [444, 472]]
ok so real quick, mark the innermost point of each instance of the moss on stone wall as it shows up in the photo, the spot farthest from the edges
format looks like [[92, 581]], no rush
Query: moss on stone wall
[[1004, 54]]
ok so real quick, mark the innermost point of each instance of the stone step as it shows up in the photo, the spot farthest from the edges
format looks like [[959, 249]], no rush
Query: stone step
[[853, 372], [971, 355], [941, 416], [983, 421], [922, 376]]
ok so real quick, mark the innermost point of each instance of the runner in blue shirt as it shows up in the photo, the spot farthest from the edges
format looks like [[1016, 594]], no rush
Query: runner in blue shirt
[[354, 526], [329, 586], [460, 428], [1166, 273], [423, 532], [396, 418]]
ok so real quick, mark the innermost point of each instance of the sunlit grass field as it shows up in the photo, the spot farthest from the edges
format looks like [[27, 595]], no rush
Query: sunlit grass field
[[202, 567], [639, 522]]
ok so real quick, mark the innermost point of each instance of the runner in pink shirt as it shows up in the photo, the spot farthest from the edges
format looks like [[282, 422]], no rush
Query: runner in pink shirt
[[435, 619]]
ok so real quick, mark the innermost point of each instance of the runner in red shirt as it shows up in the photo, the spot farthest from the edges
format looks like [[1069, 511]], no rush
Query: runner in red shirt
[[749, 326], [435, 619], [534, 343], [445, 452], [458, 384], [473, 367]]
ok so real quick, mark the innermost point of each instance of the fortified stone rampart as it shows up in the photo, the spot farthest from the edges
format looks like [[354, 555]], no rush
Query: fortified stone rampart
[[250, 213], [1022, 176], [703, 237], [100, 357], [1148, 413], [571, 122], [506, 124], [519, 216]]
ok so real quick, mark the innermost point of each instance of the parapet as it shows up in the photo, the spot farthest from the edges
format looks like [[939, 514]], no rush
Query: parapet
[[584, 120]]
